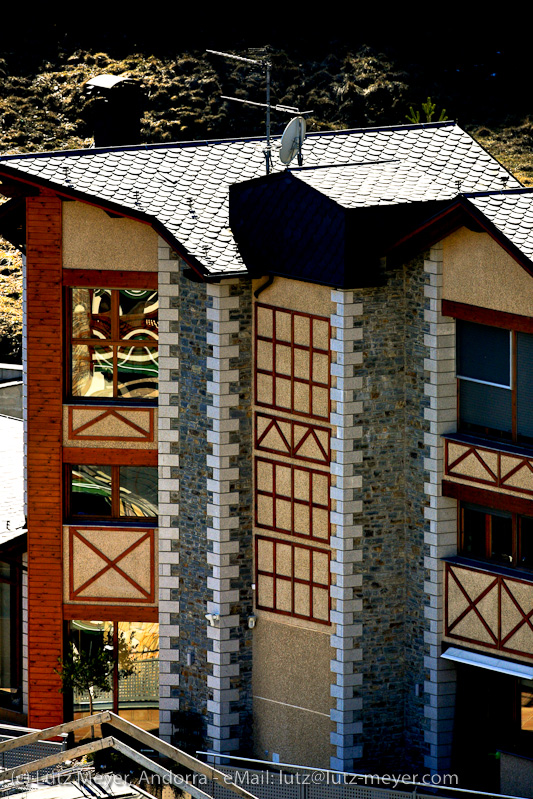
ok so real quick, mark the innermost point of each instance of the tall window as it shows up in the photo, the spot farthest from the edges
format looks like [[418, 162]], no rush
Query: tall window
[[133, 656], [114, 343], [495, 372]]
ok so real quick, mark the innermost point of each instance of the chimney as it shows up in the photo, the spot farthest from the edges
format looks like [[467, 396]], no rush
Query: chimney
[[115, 110]]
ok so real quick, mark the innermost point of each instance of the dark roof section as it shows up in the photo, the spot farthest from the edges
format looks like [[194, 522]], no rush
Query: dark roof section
[[284, 226], [182, 189]]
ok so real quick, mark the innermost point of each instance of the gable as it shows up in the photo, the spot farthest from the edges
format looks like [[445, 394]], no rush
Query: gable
[[478, 271], [94, 240]]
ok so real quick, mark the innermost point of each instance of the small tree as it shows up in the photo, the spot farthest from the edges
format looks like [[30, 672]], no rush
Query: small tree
[[429, 110], [88, 672], [91, 671]]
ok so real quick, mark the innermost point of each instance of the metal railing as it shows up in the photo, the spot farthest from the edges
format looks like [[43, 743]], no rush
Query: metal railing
[[140, 687]]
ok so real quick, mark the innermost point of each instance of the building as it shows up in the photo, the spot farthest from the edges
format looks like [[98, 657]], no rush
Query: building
[[298, 441]]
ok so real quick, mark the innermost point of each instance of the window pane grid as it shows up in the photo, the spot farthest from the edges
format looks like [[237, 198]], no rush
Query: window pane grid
[[495, 381], [114, 343], [112, 492]]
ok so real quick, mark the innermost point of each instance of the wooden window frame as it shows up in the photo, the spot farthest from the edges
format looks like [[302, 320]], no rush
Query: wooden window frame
[[514, 324], [516, 523], [114, 517], [112, 640], [113, 342]]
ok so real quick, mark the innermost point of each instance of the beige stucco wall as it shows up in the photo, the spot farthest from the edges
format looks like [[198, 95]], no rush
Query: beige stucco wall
[[477, 271], [94, 240], [296, 296], [291, 656], [291, 696]]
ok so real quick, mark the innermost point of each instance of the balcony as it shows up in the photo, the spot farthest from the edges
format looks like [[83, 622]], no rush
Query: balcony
[[489, 607], [500, 466]]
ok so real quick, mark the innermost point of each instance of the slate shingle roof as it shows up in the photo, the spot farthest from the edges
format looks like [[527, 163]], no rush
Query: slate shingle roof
[[512, 214], [184, 187]]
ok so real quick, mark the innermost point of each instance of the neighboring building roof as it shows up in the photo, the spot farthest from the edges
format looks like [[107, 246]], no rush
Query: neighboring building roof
[[182, 189]]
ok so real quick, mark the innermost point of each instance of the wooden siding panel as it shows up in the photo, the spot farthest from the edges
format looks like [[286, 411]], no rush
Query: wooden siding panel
[[44, 326]]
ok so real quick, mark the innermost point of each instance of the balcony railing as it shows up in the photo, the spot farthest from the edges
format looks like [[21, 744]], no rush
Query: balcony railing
[[489, 607], [139, 688], [500, 466]]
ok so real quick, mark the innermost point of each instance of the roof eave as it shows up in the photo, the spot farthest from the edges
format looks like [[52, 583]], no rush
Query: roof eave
[[460, 213], [112, 207]]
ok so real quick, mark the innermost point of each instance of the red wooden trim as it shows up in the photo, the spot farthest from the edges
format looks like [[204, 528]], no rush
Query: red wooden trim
[[107, 278], [498, 480], [292, 449], [118, 413], [118, 612], [471, 450], [274, 495], [473, 602], [486, 316], [502, 582], [526, 617], [291, 378], [44, 419], [292, 579], [109, 457], [492, 499]]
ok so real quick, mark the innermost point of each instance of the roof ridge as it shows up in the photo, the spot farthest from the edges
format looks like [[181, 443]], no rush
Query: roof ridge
[[202, 142]]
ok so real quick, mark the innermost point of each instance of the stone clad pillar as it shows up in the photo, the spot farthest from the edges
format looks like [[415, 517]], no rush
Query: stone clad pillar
[[346, 529], [168, 461], [222, 627], [441, 516]]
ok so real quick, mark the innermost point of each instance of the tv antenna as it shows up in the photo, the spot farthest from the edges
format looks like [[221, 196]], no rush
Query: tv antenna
[[297, 131]]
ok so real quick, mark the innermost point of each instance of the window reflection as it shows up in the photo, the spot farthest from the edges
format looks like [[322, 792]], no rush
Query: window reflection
[[113, 492], [91, 491], [138, 491], [107, 356], [137, 371], [138, 314], [134, 679]]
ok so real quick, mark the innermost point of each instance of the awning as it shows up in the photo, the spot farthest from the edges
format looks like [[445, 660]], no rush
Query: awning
[[487, 662]]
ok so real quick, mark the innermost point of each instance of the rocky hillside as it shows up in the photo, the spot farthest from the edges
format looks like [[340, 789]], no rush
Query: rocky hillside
[[345, 83]]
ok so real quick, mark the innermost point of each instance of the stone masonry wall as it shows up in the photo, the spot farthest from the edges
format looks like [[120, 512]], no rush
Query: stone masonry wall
[[244, 558], [193, 424], [392, 517], [416, 403]]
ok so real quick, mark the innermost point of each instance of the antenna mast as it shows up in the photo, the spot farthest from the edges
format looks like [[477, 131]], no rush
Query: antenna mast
[[266, 65]]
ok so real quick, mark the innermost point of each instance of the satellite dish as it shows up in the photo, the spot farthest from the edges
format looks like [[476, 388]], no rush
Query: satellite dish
[[292, 140]]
